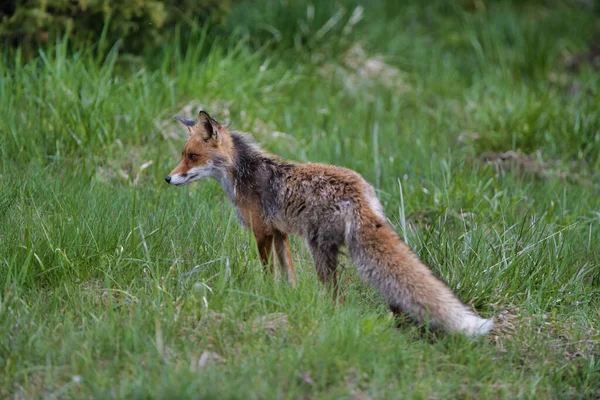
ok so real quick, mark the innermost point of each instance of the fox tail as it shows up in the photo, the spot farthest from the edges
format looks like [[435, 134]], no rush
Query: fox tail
[[407, 284]]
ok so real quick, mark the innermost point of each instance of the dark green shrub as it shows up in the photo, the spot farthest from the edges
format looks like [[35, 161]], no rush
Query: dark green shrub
[[139, 24]]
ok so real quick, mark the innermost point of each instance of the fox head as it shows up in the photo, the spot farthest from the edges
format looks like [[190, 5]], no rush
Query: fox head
[[207, 151]]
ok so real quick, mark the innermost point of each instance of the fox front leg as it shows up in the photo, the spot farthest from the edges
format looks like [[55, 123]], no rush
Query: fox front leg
[[284, 255], [265, 251], [263, 234]]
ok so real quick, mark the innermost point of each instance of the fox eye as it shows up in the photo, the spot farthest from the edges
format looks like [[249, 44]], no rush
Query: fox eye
[[192, 157]]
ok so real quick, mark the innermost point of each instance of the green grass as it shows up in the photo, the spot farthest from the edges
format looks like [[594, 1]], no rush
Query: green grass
[[114, 284]]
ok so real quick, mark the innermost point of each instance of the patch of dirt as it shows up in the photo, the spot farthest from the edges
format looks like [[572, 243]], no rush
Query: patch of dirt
[[271, 324], [207, 358], [527, 164], [587, 344], [212, 318], [199, 330], [468, 137], [558, 335], [306, 378], [128, 170], [569, 84], [36, 387], [94, 289], [591, 57], [513, 160], [504, 323], [359, 69], [351, 381]]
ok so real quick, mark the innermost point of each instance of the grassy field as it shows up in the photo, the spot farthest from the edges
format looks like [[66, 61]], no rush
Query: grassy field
[[114, 284]]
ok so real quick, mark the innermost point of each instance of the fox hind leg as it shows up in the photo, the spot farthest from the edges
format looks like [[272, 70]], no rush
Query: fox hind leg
[[325, 258]]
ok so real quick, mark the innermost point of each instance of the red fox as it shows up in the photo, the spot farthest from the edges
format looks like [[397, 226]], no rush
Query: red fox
[[330, 207]]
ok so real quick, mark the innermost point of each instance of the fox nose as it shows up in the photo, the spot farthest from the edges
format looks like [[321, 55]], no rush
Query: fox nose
[[168, 179]]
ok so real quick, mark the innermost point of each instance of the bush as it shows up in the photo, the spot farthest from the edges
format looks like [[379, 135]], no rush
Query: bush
[[139, 24]]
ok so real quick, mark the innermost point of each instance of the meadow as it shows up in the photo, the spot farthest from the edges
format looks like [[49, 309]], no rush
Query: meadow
[[477, 123]]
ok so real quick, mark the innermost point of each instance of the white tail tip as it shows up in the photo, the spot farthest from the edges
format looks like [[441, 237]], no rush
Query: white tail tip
[[472, 325]]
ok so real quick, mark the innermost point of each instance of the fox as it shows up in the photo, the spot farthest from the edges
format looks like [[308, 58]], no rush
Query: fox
[[331, 207]]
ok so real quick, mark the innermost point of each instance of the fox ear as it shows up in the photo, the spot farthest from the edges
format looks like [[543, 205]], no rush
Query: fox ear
[[187, 123], [209, 128]]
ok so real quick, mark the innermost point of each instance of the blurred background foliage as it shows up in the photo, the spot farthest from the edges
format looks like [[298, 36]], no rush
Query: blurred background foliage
[[139, 24]]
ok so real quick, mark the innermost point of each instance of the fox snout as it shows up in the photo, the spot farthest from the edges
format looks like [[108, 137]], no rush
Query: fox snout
[[194, 174], [176, 179], [180, 179]]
